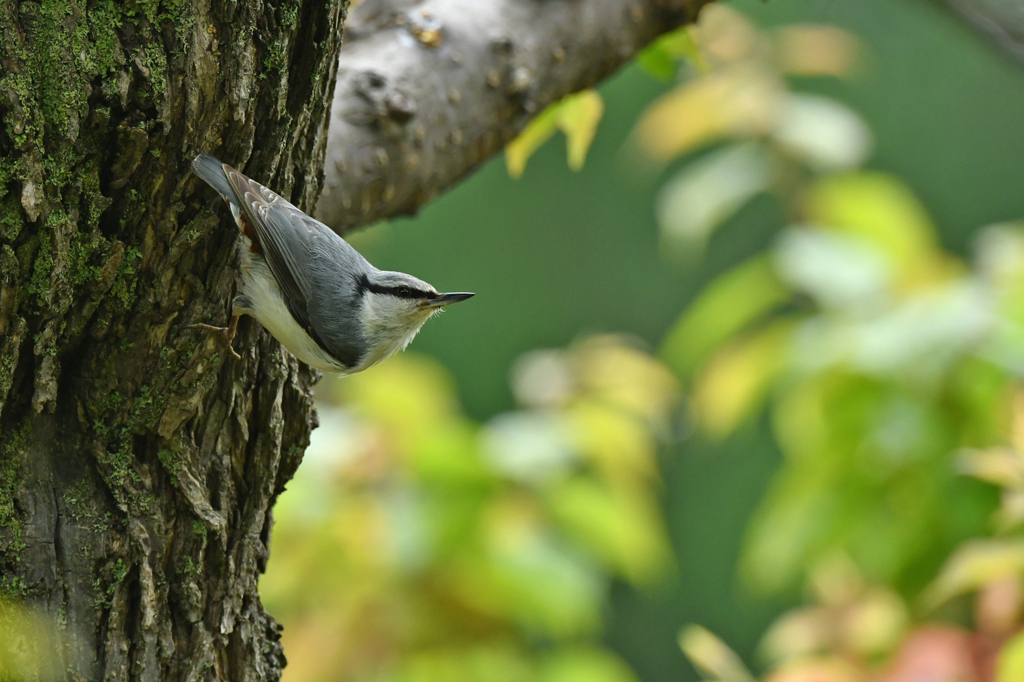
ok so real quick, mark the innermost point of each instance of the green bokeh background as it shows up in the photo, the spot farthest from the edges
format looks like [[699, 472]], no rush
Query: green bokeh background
[[557, 254]]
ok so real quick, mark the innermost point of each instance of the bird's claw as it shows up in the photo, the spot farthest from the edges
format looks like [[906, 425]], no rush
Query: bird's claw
[[226, 334]]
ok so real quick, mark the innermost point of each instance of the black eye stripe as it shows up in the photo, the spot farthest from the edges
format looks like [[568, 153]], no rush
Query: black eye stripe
[[399, 291]]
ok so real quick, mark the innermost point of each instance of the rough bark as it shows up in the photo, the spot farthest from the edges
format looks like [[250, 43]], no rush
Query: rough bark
[[138, 461], [430, 89], [1001, 21]]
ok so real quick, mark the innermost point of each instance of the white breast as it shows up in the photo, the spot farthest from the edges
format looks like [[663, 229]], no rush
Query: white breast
[[267, 305]]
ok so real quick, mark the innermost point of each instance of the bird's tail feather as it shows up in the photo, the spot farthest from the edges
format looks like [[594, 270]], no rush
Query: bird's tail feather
[[210, 169]]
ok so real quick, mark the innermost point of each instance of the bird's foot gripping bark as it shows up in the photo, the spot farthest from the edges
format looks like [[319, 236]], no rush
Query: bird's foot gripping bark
[[226, 334]]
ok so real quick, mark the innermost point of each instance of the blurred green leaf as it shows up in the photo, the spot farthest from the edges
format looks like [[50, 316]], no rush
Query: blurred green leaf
[[462, 542], [726, 37], [458, 662], [922, 338], [450, 453], [694, 203], [711, 657], [530, 446], [661, 58], [530, 575], [794, 517], [658, 62], [867, 471], [868, 622], [735, 382], [882, 210], [615, 371], [824, 134], [730, 303], [1003, 467], [408, 394], [740, 103], [584, 664], [973, 565], [818, 669], [620, 447], [1001, 262], [622, 528]]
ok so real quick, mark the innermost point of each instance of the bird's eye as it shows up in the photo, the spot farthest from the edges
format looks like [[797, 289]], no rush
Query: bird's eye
[[405, 291]]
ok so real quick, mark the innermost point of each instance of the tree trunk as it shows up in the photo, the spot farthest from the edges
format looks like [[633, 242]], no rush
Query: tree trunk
[[138, 461]]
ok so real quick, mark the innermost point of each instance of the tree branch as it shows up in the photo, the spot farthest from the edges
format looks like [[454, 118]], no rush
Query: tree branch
[[1001, 21], [427, 91]]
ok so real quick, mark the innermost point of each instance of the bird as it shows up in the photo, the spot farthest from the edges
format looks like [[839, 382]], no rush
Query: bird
[[309, 288]]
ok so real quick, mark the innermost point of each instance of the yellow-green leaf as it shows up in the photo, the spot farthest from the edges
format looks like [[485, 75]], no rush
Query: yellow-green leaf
[[657, 62], [661, 57], [693, 114], [584, 664], [880, 209], [973, 565], [578, 116], [539, 131], [797, 512], [732, 302], [711, 657], [620, 446], [1003, 467], [681, 44], [1010, 665], [734, 383]]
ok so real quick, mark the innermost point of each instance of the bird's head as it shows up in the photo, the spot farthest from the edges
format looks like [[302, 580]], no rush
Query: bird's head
[[394, 306]]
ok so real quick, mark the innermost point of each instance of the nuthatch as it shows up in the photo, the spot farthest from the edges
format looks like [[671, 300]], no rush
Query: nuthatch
[[309, 288]]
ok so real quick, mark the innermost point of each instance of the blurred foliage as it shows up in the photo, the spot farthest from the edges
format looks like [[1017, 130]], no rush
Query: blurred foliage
[[879, 357], [879, 354], [734, 92], [28, 644], [416, 544]]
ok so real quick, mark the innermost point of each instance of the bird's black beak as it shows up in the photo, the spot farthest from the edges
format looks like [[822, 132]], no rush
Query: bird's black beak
[[447, 299]]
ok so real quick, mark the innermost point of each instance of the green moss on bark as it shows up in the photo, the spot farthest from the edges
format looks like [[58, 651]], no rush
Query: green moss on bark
[[106, 252], [11, 542]]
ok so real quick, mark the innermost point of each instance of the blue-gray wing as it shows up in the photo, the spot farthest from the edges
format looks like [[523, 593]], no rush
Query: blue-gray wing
[[295, 247]]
